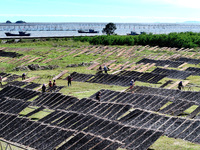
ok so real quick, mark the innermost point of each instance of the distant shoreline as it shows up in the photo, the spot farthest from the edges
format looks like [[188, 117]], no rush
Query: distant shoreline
[[187, 22]]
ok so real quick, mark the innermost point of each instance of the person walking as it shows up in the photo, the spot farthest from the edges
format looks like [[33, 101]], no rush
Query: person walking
[[180, 85], [69, 79], [105, 69]]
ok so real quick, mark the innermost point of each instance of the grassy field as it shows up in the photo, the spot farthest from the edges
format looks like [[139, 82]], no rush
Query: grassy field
[[54, 49]]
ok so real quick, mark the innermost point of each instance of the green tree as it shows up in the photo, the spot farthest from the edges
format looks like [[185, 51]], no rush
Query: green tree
[[109, 29]]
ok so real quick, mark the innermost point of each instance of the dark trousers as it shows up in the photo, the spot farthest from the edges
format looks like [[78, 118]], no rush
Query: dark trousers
[[69, 83]]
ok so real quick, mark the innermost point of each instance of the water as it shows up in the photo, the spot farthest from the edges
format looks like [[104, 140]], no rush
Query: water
[[71, 29]]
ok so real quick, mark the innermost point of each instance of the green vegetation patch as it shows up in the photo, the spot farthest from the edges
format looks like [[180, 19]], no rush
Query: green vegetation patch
[[191, 109], [167, 104], [41, 114], [166, 143], [179, 40]]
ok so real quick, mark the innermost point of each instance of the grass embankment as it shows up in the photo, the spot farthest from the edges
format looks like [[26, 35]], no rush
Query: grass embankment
[[68, 49]]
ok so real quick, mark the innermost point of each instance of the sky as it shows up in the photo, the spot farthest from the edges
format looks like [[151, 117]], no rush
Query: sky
[[117, 11]]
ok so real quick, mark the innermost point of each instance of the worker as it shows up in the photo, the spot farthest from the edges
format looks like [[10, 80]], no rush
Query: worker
[[180, 85], [50, 84], [54, 82], [98, 96], [132, 83], [23, 76], [100, 69], [43, 88], [69, 79], [105, 69]]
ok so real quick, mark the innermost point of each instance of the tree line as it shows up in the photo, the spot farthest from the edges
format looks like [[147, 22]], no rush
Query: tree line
[[179, 40]]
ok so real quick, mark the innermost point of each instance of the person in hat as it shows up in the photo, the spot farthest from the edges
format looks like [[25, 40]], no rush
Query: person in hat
[[105, 69], [132, 84], [43, 88]]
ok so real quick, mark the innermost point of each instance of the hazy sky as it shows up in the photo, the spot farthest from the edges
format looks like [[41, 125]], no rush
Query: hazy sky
[[100, 10]]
